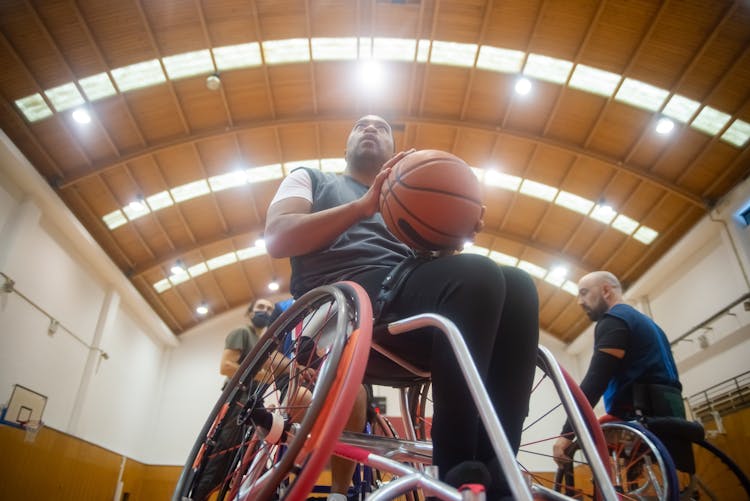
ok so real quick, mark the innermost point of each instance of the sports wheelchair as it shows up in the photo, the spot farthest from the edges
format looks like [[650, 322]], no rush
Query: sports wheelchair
[[295, 397]]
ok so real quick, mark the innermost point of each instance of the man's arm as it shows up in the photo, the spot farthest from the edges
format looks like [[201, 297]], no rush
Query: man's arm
[[229, 362]]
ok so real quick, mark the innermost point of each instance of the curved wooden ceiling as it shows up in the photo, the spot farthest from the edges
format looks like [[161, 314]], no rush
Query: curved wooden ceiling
[[600, 146]]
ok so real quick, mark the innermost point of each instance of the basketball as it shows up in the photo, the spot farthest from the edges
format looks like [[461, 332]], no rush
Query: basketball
[[431, 200]]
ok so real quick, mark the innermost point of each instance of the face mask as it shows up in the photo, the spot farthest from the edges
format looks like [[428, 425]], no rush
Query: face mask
[[261, 319]]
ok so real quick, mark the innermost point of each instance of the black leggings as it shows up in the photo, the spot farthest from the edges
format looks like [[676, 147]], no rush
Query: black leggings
[[497, 311]]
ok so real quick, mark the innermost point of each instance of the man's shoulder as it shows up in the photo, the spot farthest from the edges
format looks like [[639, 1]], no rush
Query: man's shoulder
[[237, 333]]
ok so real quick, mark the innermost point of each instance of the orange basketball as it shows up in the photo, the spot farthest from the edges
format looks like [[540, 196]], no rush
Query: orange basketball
[[431, 200]]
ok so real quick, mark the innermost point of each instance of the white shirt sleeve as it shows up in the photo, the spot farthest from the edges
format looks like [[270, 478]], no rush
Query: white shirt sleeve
[[296, 184]]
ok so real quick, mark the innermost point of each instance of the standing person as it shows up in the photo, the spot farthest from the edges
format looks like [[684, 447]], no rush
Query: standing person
[[237, 345], [330, 227], [632, 361]]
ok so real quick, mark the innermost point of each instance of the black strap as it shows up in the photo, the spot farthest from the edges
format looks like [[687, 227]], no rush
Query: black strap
[[392, 283]]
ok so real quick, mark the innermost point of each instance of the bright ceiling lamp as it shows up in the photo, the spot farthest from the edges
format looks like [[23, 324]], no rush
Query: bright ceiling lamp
[[82, 116], [523, 86], [370, 75], [202, 309], [664, 126], [273, 285]]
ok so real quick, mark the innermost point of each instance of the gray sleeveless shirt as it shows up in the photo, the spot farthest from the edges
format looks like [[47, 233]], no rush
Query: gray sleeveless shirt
[[364, 246]]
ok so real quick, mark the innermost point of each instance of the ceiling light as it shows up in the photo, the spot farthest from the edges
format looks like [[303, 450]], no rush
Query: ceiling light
[[135, 209], [664, 126], [202, 309], [81, 116], [523, 86], [570, 288], [137, 204], [556, 276], [370, 74], [273, 285], [260, 243], [495, 178], [178, 268], [603, 213], [213, 82]]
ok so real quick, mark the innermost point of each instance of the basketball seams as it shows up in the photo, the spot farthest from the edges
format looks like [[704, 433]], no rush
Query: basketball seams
[[401, 176], [417, 217]]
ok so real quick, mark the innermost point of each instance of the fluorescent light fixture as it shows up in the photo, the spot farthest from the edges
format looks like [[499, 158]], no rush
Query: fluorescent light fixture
[[228, 180], [250, 252], [136, 209], [603, 213], [681, 108], [641, 95], [138, 75], [231, 57], [202, 309], [502, 180], [190, 190], [500, 60], [523, 86], [97, 86], [538, 190], [475, 249], [556, 276], [292, 50], [594, 80], [624, 224], [532, 269], [162, 285], [423, 51], [188, 64], [503, 259], [332, 164], [114, 219], [370, 73], [395, 49], [197, 269], [547, 68], [33, 107], [737, 134], [264, 173], [273, 285], [574, 202], [159, 200], [223, 260], [664, 126], [81, 115], [64, 97], [570, 288], [453, 53], [260, 243], [290, 166], [710, 120], [645, 234], [331, 49]]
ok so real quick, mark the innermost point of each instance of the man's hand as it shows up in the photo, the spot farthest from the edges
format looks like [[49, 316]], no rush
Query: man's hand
[[369, 204], [558, 451]]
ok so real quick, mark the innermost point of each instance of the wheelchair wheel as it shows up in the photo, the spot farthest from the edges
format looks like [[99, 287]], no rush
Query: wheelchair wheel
[[642, 466], [547, 413], [290, 400], [716, 476]]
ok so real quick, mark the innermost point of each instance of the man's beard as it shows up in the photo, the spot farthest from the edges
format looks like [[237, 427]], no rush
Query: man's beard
[[597, 312]]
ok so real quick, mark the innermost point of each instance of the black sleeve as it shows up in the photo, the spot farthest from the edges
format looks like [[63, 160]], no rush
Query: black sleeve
[[610, 333]]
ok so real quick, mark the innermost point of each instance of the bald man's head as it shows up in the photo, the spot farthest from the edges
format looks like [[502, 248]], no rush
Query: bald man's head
[[598, 292]]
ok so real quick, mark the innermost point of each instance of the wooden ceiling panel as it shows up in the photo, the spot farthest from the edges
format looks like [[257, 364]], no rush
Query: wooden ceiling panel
[[180, 165], [561, 30], [229, 22], [475, 147], [300, 138], [437, 137], [60, 145], [151, 231], [498, 203], [588, 178], [115, 116], [529, 113], [333, 18], [201, 215], [549, 165], [401, 21], [220, 154], [526, 213], [281, 19], [511, 23], [148, 177], [459, 21], [618, 129], [334, 83], [444, 96], [260, 146], [176, 26], [555, 227], [154, 110], [489, 97], [292, 90], [238, 205], [203, 108], [248, 95], [513, 154]]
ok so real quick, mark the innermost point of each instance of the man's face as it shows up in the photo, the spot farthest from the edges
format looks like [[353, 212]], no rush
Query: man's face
[[261, 305], [371, 140], [591, 299]]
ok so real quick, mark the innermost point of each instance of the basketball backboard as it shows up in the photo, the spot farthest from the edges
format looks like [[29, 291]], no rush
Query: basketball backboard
[[25, 405]]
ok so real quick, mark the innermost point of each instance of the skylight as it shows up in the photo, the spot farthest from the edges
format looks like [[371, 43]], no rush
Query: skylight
[[293, 50], [290, 166], [570, 288], [64, 97], [475, 249], [114, 219], [223, 260], [556, 276], [453, 53], [264, 173], [624, 224], [640, 94], [710, 120], [329, 49], [190, 190], [574, 202], [188, 64], [34, 107], [538, 190], [138, 75], [97, 86], [232, 57], [498, 59], [603, 213], [737, 134], [423, 51], [547, 68], [645, 234], [503, 259], [532, 269], [228, 180], [178, 278], [197, 269], [502, 180], [397, 49], [594, 80], [135, 210], [333, 164], [250, 252], [365, 48], [162, 285], [159, 200], [681, 108]]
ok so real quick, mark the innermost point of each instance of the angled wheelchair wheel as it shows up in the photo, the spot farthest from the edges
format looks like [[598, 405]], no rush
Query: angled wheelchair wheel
[[716, 476], [541, 428], [275, 425]]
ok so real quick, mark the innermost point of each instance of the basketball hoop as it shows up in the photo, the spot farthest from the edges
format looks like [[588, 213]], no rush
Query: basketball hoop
[[32, 428]]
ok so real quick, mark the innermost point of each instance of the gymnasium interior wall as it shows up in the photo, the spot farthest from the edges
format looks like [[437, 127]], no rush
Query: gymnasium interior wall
[[147, 401]]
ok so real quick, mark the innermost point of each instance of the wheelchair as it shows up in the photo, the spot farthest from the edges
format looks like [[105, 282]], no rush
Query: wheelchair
[[295, 397]]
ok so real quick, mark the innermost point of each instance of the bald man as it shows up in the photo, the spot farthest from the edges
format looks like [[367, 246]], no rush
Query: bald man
[[632, 360]]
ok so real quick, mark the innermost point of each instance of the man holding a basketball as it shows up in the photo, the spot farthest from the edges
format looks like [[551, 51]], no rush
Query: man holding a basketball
[[330, 227]]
